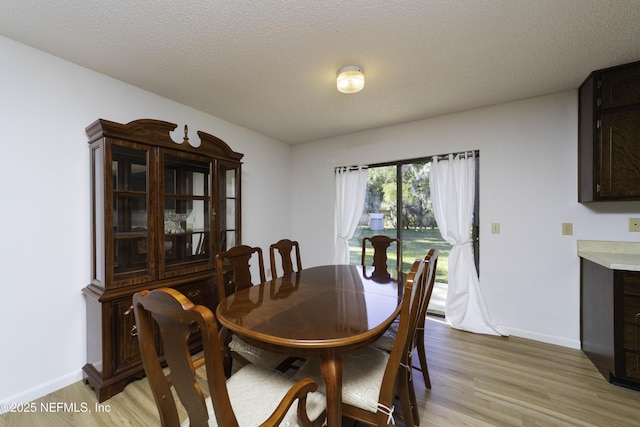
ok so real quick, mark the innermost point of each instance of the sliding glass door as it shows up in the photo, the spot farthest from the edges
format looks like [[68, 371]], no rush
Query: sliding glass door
[[398, 205]]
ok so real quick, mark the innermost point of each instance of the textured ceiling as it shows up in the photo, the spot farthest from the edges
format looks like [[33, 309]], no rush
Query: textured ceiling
[[270, 66]]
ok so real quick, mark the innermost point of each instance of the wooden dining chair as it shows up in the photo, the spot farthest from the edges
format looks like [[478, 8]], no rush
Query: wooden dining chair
[[240, 258], [380, 244], [386, 341], [252, 396], [430, 278], [285, 247], [372, 378], [418, 343]]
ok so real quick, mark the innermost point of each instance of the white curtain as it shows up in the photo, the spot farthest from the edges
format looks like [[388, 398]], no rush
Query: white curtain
[[452, 185], [351, 188]]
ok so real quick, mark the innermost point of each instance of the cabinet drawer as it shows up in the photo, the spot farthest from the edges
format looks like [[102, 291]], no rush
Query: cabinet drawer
[[632, 365], [632, 337], [199, 294], [631, 284], [196, 292], [632, 310]]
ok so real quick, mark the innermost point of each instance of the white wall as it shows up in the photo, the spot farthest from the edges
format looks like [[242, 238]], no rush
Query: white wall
[[45, 105], [528, 183]]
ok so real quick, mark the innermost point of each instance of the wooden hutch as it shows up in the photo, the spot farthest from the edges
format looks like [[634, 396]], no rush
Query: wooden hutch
[[161, 211]]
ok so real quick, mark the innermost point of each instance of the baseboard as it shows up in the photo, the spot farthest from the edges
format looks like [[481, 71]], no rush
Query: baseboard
[[40, 390], [549, 339]]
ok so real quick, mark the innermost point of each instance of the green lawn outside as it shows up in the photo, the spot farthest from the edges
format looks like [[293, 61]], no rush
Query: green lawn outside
[[416, 245]]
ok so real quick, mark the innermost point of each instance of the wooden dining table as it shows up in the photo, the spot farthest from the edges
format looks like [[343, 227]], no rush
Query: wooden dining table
[[321, 312]]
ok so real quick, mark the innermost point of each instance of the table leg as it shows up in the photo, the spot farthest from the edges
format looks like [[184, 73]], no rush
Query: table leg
[[331, 367]]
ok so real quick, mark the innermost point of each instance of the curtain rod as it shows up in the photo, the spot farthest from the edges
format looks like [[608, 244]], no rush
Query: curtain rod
[[476, 153], [417, 160], [352, 168], [421, 159]]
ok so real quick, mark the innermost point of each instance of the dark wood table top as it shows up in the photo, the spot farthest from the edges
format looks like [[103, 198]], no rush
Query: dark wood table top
[[328, 306], [318, 312]]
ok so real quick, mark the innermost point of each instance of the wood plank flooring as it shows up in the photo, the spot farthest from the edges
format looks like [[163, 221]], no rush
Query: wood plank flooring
[[477, 380]]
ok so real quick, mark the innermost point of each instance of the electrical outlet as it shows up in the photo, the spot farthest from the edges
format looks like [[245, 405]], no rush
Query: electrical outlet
[[495, 228], [567, 228], [634, 224]]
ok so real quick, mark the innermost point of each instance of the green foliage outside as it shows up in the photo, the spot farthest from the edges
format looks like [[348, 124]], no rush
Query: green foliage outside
[[381, 196], [420, 232], [416, 244]]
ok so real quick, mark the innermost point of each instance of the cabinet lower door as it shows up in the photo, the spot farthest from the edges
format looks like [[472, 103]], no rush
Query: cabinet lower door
[[126, 348]]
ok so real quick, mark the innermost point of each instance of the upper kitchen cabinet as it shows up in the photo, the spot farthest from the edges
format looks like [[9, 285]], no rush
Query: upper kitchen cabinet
[[609, 135]]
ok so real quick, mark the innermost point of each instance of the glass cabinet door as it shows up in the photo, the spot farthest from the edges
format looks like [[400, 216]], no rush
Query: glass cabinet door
[[229, 199], [132, 257], [186, 210]]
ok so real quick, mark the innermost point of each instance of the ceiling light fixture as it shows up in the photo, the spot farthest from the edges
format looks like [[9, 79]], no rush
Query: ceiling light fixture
[[350, 79]]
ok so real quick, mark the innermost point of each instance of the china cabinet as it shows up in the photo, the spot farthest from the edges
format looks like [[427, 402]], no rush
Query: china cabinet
[[609, 135], [161, 211]]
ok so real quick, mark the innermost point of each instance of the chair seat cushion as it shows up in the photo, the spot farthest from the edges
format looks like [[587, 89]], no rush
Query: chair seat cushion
[[255, 393], [386, 341], [362, 374], [255, 355]]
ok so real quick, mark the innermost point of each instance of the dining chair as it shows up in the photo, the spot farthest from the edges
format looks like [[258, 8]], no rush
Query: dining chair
[[432, 259], [380, 244], [239, 258], [251, 397], [284, 248], [386, 341], [371, 377]]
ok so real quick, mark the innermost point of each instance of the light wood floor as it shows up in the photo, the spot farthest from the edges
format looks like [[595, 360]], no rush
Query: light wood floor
[[477, 381]]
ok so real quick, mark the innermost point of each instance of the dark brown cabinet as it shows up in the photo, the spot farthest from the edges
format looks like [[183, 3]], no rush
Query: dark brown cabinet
[[610, 322], [161, 211], [609, 135]]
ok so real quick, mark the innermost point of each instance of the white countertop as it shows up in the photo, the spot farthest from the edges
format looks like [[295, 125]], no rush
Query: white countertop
[[612, 255]]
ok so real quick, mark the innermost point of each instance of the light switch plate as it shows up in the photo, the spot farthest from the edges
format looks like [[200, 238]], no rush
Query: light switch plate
[[495, 228], [567, 228]]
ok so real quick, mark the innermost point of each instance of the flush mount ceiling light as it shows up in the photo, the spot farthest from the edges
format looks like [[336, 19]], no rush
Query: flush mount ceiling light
[[350, 79]]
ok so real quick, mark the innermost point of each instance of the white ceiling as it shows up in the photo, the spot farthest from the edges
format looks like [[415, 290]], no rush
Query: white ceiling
[[270, 65]]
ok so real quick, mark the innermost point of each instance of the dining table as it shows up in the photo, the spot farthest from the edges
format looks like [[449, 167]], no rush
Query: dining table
[[322, 312]]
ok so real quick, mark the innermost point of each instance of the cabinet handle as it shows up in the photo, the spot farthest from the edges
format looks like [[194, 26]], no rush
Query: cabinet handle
[[134, 331], [193, 293], [126, 313]]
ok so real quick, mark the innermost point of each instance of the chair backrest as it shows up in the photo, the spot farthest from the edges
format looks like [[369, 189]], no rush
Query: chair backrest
[[429, 278], [380, 244], [239, 257], [284, 248], [409, 310], [431, 260], [176, 318]]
